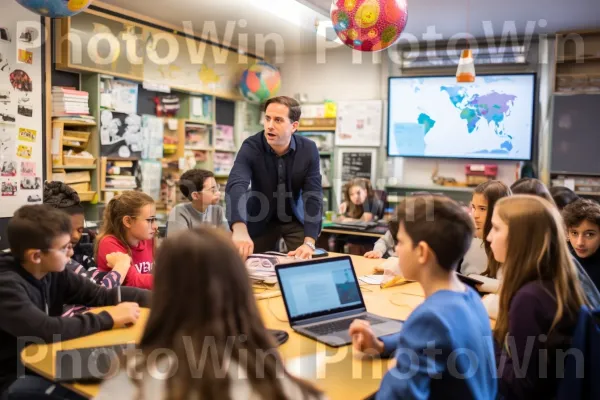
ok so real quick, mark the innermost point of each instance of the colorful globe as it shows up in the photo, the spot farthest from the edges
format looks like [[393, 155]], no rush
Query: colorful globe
[[369, 25], [56, 8], [260, 82]]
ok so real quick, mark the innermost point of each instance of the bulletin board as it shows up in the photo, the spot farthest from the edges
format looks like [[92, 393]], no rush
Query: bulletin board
[[359, 123], [354, 163], [21, 108]]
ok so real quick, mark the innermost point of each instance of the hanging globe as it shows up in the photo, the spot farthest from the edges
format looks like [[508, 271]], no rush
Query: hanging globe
[[55, 8], [369, 25], [260, 82]]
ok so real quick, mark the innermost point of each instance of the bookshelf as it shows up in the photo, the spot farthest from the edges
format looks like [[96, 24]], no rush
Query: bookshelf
[[71, 140], [577, 64], [322, 132]]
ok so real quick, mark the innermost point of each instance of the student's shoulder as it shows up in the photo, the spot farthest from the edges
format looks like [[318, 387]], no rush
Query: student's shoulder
[[110, 242]]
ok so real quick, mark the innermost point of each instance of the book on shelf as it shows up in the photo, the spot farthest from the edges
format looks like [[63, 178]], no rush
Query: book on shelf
[[68, 101]]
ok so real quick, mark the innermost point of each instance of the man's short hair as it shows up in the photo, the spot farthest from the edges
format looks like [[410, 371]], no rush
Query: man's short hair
[[193, 181], [441, 223], [292, 104], [581, 210], [35, 227]]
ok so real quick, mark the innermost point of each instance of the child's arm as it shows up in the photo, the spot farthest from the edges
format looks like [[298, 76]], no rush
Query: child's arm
[[415, 355], [106, 279], [385, 243], [20, 317], [110, 245]]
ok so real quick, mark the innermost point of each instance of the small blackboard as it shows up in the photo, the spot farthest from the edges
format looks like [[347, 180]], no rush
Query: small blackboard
[[357, 165], [575, 134]]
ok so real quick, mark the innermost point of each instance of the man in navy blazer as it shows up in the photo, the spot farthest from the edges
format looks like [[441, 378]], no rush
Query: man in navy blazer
[[274, 189]]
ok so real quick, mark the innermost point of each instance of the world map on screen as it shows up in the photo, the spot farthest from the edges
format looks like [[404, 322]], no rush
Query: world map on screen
[[491, 118]]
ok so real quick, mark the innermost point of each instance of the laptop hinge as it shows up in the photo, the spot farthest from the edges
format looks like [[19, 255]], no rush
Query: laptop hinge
[[329, 317]]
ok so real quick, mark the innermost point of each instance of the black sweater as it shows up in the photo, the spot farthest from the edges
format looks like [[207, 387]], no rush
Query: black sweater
[[30, 310]]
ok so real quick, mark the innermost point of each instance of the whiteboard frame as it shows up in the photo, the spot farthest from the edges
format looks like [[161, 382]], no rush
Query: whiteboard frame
[[339, 156], [371, 141]]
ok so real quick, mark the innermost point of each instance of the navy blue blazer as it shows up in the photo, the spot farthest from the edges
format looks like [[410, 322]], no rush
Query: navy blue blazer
[[252, 185]]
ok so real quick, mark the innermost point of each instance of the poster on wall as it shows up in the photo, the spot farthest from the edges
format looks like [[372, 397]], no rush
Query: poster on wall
[[120, 135], [21, 84], [152, 137], [359, 123], [354, 163]]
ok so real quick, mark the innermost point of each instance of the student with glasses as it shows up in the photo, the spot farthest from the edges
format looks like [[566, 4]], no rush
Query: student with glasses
[[35, 286], [128, 230], [64, 198], [203, 192]]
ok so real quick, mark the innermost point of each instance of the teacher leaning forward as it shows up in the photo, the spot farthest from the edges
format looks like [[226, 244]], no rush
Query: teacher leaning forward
[[274, 190]]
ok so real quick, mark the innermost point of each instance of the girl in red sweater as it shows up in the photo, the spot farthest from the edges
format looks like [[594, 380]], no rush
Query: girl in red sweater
[[128, 227]]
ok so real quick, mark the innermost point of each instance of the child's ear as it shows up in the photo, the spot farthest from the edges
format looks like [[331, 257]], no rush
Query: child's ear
[[127, 221], [33, 256], [195, 196], [423, 253]]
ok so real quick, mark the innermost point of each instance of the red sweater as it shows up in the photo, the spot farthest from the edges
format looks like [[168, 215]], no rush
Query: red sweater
[[142, 260]]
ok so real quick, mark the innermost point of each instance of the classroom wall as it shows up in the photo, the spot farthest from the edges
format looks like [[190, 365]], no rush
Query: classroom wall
[[338, 78]]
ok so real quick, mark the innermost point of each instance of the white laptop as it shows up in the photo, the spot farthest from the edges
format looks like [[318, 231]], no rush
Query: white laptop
[[322, 297]]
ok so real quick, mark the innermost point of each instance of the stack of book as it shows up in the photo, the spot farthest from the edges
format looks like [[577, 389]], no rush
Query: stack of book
[[67, 102]]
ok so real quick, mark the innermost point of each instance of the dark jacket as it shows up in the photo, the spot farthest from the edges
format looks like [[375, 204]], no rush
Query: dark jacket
[[581, 378], [31, 309], [527, 360], [255, 171]]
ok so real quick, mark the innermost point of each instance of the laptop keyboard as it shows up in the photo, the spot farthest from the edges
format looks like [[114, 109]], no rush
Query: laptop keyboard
[[339, 325]]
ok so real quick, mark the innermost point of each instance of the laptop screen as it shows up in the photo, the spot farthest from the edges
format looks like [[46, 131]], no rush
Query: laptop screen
[[319, 288]]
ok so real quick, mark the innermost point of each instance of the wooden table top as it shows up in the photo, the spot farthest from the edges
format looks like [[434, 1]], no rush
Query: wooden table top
[[339, 372]]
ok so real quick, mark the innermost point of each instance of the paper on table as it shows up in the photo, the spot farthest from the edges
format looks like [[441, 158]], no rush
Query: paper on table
[[371, 279]]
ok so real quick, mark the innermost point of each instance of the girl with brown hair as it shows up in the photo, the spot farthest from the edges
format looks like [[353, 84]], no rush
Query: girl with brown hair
[[128, 230], [479, 258], [360, 202], [540, 296], [211, 343]]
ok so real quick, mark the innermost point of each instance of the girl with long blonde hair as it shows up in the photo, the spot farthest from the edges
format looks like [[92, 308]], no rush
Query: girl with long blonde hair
[[540, 295]]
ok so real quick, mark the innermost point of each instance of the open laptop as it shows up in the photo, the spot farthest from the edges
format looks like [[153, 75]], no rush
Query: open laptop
[[322, 298]]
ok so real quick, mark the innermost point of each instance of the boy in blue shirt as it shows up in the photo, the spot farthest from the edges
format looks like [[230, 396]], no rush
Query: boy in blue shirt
[[445, 349]]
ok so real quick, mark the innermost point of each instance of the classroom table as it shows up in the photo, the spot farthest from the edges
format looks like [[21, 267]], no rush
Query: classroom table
[[339, 372]]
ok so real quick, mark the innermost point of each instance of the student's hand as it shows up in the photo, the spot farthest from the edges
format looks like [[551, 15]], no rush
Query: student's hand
[[303, 252], [364, 339], [343, 208], [124, 314], [242, 241], [373, 254], [114, 259]]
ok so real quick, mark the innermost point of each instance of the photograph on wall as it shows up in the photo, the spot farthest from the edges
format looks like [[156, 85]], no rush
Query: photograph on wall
[[27, 168], [25, 108], [7, 143], [120, 135], [21, 81], [9, 188], [8, 168], [31, 182]]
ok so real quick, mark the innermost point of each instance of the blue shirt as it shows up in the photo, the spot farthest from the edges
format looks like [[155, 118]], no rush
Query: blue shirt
[[254, 189], [445, 350]]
